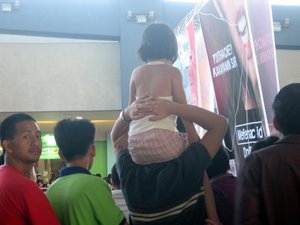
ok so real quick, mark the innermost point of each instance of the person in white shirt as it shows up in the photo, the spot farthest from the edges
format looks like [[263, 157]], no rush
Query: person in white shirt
[[117, 193]]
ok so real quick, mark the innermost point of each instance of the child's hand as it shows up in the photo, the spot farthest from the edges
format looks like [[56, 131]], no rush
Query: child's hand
[[141, 108], [161, 109]]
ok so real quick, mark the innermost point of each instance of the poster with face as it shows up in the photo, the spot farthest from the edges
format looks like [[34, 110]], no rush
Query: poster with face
[[233, 71]]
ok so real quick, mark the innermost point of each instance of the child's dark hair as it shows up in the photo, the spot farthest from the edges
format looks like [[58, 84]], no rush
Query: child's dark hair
[[159, 42]]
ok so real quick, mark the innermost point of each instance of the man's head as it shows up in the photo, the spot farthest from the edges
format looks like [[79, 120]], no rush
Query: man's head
[[263, 143], [74, 138], [286, 107], [220, 163], [21, 139]]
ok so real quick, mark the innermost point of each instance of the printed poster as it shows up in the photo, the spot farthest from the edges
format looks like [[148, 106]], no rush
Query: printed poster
[[223, 44]]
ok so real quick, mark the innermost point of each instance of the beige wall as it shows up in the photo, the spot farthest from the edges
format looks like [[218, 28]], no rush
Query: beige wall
[[288, 62], [47, 76]]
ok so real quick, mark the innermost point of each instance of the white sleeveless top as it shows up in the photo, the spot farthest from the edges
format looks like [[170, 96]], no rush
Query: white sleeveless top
[[142, 125]]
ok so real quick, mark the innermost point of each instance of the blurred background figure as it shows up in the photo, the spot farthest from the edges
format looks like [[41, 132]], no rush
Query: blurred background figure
[[266, 142], [117, 193], [39, 181], [223, 185]]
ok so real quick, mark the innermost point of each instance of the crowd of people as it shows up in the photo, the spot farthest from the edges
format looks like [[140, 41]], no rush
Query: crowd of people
[[162, 175]]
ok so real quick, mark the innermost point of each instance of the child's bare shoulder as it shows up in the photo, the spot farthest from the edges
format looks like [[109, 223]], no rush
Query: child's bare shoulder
[[175, 69], [175, 72], [137, 70]]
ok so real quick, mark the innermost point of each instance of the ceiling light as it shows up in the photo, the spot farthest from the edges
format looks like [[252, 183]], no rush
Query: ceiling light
[[48, 122], [191, 1], [140, 17], [285, 2], [6, 7], [273, 2]]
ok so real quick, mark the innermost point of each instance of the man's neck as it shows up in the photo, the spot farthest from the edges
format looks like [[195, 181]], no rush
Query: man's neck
[[24, 168]]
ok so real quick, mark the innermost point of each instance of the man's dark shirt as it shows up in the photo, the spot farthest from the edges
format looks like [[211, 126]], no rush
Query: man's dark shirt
[[269, 185]]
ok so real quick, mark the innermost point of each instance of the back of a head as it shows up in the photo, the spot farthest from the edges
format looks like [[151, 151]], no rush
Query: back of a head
[[107, 179], [286, 108], [73, 137], [2, 159], [263, 143], [220, 163], [115, 177], [8, 125], [159, 42]]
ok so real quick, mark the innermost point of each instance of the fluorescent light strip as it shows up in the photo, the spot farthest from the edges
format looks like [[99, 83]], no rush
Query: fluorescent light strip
[[273, 2], [193, 1], [93, 121], [285, 2]]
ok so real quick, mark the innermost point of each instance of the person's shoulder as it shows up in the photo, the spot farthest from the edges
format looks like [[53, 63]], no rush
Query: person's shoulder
[[197, 150], [175, 69], [97, 186], [175, 73], [93, 180], [28, 187], [256, 159], [138, 69], [197, 145], [170, 69], [20, 185], [266, 152]]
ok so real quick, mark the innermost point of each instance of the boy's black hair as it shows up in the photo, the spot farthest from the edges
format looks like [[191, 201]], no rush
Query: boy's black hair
[[73, 137]]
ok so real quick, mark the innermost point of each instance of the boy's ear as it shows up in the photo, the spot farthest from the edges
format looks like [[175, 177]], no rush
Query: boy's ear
[[61, 155], [92, 150], [276, 124], [7, 146]]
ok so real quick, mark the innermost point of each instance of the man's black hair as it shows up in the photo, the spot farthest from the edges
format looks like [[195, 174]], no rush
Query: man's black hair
[[286, 107], [263, 143], [8, 126], [220, 163]]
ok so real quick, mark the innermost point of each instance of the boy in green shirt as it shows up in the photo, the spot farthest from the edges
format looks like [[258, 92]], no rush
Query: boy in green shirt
[[77, 197]]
